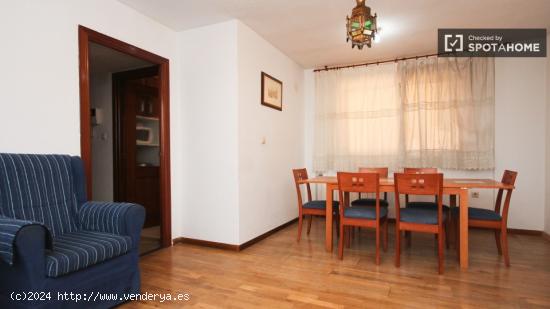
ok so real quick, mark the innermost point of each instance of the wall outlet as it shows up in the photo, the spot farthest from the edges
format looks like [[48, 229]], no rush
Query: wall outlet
[[475, 194]]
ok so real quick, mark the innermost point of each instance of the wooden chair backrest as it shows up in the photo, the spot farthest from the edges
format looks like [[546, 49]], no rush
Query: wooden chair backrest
[[358, 183], [419, 184], [508, 178], [382, 171], [420, 170], [300, 175]]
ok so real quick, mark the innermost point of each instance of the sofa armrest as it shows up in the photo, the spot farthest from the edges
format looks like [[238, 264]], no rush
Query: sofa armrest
[[9, 230], [28, 270], [116, 218]]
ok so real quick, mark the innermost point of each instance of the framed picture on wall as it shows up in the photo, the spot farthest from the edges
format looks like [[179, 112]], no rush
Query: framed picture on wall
[[272, 92]]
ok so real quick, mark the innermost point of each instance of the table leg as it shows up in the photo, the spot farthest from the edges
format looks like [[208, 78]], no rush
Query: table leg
[[328, 224], [463, 228], [453, 231]]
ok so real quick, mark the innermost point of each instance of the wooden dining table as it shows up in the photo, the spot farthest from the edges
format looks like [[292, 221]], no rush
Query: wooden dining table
[[452, 187]]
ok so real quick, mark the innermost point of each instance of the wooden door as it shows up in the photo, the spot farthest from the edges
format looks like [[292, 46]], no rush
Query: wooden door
[[139, 156]]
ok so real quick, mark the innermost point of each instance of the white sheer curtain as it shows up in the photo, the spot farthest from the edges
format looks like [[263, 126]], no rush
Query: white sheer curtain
[[430, 112], [448, 112], [357, 118]]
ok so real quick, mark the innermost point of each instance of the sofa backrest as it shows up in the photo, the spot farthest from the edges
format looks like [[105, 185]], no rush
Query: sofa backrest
[[39, 188]]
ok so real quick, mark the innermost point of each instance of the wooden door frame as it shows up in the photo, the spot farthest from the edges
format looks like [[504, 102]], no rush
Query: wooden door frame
[[85, 36]]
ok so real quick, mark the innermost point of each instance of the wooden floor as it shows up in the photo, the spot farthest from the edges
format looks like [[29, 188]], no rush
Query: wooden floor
[[280, 273], [150, 239]]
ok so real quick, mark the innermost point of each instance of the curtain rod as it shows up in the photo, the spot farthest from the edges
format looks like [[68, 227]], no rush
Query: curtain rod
[[327, 68]]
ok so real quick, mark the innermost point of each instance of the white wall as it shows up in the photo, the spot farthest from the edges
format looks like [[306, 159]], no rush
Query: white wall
[[267, 197], [520, 143], [237, 188], [101, 97], [39, 83], [209, 87]]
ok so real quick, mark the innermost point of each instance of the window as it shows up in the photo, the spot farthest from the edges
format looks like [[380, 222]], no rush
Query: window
[[429, 112]]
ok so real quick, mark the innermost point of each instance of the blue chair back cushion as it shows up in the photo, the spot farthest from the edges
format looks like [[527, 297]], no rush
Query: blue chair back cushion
[[75, 251], [38, 188]]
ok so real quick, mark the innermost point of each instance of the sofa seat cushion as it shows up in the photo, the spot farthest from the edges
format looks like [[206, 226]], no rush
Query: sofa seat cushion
[[75, 251], [364, 212], [369, 202]]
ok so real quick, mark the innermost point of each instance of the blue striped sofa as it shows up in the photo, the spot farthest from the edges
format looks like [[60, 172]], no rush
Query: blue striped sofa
[[52, 240]]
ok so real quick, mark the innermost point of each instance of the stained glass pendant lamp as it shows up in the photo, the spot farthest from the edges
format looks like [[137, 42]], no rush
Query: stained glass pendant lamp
[[361, 26]]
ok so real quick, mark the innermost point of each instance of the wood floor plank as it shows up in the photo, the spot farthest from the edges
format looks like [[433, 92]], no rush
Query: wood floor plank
[[280, 273]]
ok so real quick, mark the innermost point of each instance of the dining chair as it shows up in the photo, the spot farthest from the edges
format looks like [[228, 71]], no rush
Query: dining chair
[[365, 216], [421, 170], [426, 220], [496, 219], [311, 207], [383, 172], [425, 204]]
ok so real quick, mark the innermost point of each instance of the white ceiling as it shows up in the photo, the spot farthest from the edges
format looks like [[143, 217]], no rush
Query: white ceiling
[[107, 60], [312, 32]]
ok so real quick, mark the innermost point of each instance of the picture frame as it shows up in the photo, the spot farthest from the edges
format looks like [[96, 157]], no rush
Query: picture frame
[[272, 92]]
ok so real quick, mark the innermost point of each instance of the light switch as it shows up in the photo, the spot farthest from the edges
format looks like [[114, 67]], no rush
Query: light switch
[[263, 140]]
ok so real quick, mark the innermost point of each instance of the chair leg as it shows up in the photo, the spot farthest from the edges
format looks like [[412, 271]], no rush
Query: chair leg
[[348, 231], [341, 242], [497, 239], [309, 224], [378, 244], [408, 238], [300, 219], [385, 245], [397, 245], [452, 230], [447, 231], [457, 238], [504, 244], [440, 249], [338, 225]]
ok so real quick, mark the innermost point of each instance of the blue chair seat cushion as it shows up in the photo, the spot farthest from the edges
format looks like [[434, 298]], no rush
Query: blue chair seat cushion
[[420, 215], [369, 202], [426, 205], [320, 204], [480, 214], [364, 212], [78, 250]]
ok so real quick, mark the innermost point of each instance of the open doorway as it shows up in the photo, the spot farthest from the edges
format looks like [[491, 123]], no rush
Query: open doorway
[[125, 129]]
